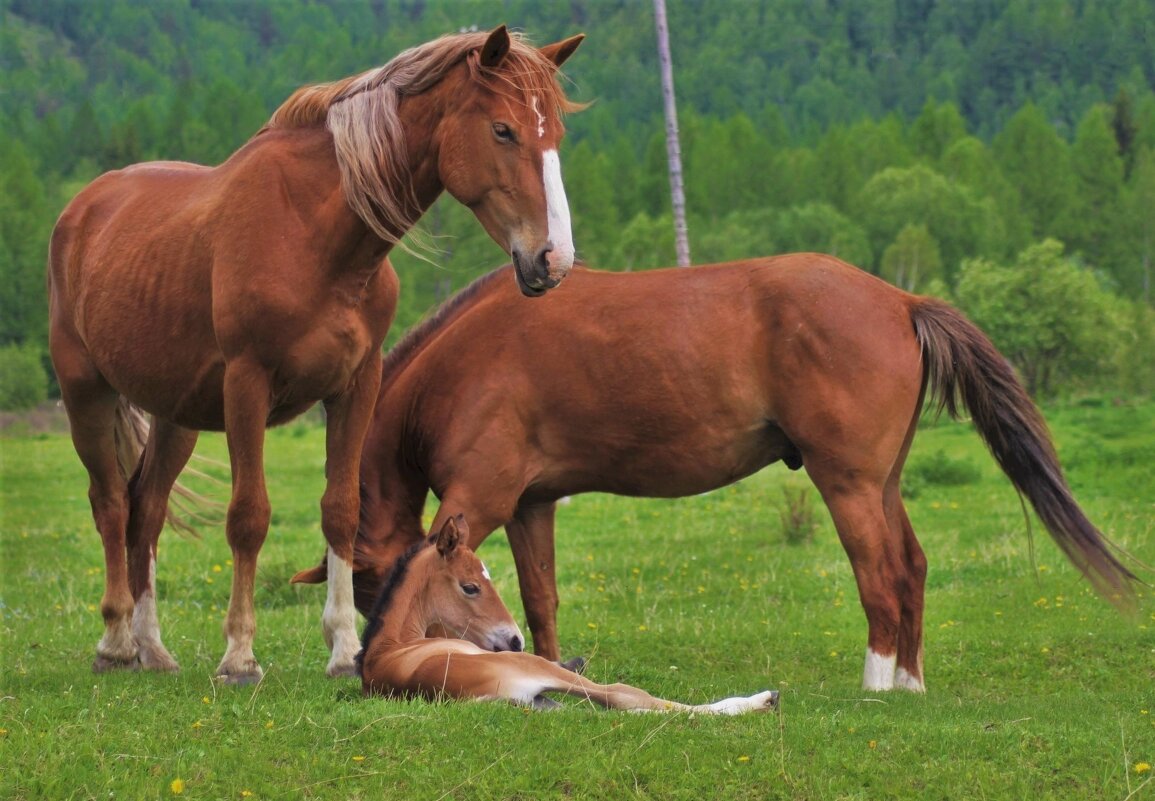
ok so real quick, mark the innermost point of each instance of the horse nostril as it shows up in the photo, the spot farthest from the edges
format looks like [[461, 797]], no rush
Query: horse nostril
[[541, 262], [516, 643]]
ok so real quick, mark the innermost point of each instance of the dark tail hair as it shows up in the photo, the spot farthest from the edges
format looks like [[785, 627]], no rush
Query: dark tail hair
[[186, 508], [964, 371]]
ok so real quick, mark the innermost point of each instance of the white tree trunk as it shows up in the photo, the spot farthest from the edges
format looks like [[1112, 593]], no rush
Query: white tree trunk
[[673, 147]]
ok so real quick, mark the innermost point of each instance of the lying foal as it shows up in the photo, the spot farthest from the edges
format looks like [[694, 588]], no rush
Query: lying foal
[[441, 586]]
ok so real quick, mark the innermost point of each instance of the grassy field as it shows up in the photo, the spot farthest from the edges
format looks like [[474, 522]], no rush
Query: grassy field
[[1036, 688]]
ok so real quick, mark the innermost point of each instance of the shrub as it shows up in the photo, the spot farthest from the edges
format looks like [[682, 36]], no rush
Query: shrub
[[23, 382], [799, 520]]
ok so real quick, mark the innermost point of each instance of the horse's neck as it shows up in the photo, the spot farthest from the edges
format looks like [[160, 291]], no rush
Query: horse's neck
[[408, 616]]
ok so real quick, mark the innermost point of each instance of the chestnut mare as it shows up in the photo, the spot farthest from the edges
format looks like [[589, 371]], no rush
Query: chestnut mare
[[674, 382], [440, 585], [235, 297]]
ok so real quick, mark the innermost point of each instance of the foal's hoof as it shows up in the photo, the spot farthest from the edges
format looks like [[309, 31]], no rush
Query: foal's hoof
[[769, 700], [575, 665], [108, 664]]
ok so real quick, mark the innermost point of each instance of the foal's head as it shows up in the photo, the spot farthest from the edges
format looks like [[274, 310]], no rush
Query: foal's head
[[440, 588]]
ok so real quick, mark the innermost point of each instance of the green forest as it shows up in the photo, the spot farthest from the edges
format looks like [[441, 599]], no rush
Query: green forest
[[997, 153]]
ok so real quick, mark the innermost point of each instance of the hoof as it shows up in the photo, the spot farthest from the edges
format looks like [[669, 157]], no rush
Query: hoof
[[543, 703], [342, 671], [240, 679], [158, 661], [108, 664], [575, 665], [769, 701]]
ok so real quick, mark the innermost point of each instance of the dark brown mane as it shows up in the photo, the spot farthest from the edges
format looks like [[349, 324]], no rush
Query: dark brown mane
[[388, 588], [417, 336]]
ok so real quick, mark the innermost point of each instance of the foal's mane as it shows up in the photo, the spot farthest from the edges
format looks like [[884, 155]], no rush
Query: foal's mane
[[388, 590], [419, 335], [361, 112]]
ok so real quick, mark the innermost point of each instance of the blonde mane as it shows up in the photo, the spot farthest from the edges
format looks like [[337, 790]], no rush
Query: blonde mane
[[361, 112]]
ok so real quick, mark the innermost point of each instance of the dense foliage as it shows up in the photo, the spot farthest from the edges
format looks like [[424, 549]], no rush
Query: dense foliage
[[907, 136]]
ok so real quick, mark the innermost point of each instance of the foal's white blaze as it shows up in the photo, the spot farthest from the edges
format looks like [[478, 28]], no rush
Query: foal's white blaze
[[557, 215], [905, 680], [338, 619], [485, 572], [879, 671]]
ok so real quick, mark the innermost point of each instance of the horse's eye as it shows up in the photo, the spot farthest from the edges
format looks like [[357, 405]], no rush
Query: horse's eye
[[471, 590], [503, 132]]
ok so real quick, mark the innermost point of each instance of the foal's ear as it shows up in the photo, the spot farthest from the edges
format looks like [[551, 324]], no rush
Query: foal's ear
[[451, 534], [495, 47], [559, 52]]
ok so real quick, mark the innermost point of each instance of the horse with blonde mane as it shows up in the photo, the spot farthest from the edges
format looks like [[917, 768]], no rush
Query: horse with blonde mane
[[235, 297], [439, 585]]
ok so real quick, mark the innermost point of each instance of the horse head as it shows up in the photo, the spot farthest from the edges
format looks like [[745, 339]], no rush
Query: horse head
[[498, 153]]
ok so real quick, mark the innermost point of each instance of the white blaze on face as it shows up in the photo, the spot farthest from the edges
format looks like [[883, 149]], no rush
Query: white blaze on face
[[485, 572], [557, 215]]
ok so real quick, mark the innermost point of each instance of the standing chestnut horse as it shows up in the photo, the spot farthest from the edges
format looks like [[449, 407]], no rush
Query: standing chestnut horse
[[440, 585], [237, 296], [675, 382]]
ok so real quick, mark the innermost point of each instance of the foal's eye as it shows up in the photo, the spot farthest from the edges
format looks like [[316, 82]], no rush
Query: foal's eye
[[471, 590], [503, 132]]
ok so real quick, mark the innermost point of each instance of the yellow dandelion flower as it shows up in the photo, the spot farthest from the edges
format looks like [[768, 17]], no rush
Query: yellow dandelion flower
[[591, 625], [358, 758], [1142, 767], [177, 786], [872, 744], [197, 724], [216, 568], [246, 793], [269, 724], [3, 732], [743, 758]]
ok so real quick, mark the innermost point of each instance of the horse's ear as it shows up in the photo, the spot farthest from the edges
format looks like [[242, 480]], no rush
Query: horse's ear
[[449, 535], [559, 52], [495, 47]]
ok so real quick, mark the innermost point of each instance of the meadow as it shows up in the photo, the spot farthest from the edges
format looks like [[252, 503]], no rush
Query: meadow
[[1037, 688]]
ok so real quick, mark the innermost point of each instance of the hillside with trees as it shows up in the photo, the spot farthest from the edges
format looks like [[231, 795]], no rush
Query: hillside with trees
[[999, 153]]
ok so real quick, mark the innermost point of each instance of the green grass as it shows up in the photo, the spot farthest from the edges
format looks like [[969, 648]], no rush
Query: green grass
[[1037, 689]]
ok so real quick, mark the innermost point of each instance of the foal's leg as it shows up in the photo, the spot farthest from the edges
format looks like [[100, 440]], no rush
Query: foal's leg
[[246, 400], [530, 676], [531, 538], [347, 419], [167, 452]]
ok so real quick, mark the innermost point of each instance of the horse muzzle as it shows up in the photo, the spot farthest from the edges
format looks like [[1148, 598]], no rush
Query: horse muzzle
[[541, 271]]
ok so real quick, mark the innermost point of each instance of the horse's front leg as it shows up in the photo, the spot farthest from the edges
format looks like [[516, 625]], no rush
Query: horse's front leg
[[246, 400], [348, 418], [531, 538]]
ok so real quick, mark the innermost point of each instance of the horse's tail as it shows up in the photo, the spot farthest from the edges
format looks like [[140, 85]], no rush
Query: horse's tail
[[964, 371], [186, 508]]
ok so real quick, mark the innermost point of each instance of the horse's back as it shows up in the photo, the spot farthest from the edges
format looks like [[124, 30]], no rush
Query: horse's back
[[665, 382]]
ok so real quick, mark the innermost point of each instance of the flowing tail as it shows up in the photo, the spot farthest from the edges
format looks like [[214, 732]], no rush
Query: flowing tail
[[965, 372], [186, 508]]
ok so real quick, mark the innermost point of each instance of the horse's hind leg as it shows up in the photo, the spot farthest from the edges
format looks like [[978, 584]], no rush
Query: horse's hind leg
[[167, 452], [880, 568], [908, 675], [91, 407]]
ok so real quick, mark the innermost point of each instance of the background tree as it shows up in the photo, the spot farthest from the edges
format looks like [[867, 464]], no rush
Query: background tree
[[1046, 314]]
